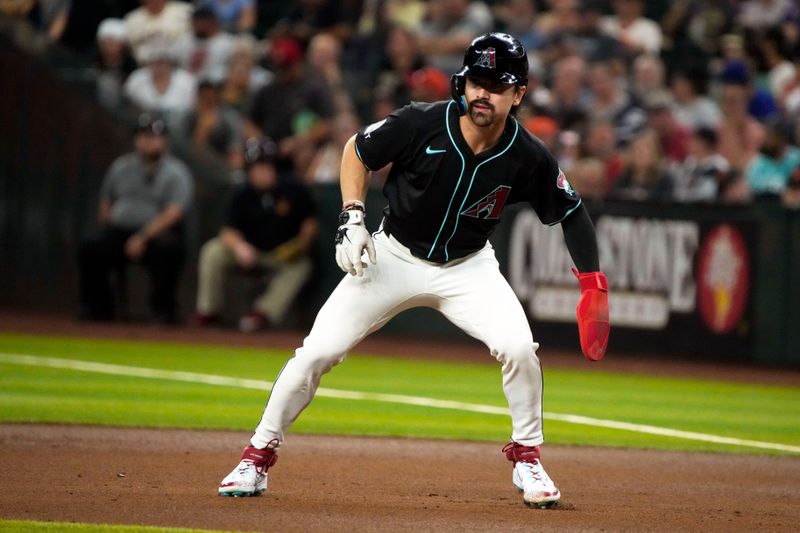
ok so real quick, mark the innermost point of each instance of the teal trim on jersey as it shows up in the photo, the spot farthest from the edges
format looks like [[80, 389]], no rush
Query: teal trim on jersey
[[455, 189], [568, 213], [358, 154], [471, 181]]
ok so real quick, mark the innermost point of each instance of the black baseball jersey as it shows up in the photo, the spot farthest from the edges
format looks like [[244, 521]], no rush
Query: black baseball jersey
[[444, 201]]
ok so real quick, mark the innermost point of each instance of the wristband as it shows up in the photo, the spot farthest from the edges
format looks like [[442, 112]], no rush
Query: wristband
[[351, 217], [353, 204]]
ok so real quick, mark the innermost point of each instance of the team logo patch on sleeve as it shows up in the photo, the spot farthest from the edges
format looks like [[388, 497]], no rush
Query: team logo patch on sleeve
[[562, 183], [372, 127], [490, 206], [486, 60]]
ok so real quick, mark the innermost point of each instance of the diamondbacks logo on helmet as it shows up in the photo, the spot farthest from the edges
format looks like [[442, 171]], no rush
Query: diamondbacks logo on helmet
[[490, 206], [562, 183], [487, 58]]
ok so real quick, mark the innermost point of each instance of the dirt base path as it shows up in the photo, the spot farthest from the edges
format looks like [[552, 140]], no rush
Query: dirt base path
[[169, 478]]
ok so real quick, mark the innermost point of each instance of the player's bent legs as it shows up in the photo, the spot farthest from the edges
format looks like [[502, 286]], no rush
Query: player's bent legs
[[215, 259], [358, 306], [476, 297]]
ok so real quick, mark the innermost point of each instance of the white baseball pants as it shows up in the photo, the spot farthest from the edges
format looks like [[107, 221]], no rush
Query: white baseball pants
[[471, 292]]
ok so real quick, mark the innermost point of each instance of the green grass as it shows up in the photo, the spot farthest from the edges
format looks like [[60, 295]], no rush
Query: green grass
[[25, 526], [35, 394]]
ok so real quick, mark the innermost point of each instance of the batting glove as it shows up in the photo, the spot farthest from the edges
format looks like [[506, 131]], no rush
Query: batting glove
[[592, 312], [352, 238]]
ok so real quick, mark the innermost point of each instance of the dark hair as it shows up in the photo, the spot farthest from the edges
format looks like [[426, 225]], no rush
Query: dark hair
[[696, 75], [707, 135]]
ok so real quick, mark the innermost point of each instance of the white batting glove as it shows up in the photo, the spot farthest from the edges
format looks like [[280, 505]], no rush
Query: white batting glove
[[352, 238]]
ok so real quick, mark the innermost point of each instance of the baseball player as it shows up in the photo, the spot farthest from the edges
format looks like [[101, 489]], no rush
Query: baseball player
[[455, 166]]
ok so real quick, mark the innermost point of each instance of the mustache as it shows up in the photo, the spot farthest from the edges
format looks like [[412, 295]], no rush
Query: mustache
[[483, 103]]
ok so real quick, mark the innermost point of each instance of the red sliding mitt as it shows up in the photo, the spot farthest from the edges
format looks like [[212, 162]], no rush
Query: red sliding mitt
[[592, 312]]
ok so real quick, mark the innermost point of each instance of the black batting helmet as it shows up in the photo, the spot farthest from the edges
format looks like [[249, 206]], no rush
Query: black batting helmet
[[494, 56]]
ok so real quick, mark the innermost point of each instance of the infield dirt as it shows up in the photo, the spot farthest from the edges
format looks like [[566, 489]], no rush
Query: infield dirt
[[320, 483], [332, 484]]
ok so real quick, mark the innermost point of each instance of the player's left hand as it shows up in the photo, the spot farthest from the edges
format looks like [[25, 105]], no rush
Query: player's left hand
[[592, 312], [352, 238]]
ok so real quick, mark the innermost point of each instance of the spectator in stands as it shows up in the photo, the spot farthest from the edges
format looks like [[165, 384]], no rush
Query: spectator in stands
[[562, 17], [588, 177], [213, 126], [591, 42], [770, 170], [324, 58], [614, 103], [645, 175], [157, 23], [601, 144], [309, 17], [429, 85], [327, 162], [404, 13], [401, 58], [740, 135], [648, 77], [161, 86], [700, 176], [143, 201], [269, 230], [760, 103], [673, 136], [449, 27], [698, 26], [791, 196], [691, 106], [114, 61], [294, 109], [569, 97], [52, 16], [518, 17], [763, 14], [775, 54], [234, 16], [636, 33], [545, 129], [206, 50], [244, 77]]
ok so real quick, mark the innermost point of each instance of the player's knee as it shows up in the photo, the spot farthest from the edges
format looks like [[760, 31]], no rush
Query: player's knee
[[318, 360], [516, 352]]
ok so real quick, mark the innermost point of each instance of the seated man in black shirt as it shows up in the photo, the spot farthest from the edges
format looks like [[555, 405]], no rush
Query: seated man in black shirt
[[270, 226]]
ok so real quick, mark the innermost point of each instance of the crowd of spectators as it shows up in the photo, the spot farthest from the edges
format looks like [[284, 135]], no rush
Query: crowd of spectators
[[683, 101]]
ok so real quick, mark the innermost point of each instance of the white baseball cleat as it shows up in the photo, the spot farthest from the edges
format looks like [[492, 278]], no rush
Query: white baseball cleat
[[529, 476], [249, 478]]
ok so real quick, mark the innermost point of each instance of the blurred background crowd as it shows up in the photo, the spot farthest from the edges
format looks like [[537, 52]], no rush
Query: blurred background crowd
[[687, 101]]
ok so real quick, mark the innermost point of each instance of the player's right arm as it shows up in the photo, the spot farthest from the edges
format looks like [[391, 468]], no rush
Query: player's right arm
[[354, 179], [371, 149], [352, 237]]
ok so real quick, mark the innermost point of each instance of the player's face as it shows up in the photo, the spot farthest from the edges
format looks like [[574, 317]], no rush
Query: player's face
[[490, 101]]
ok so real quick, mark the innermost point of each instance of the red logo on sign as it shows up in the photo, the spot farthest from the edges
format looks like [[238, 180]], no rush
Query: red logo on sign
[[723, 278]]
